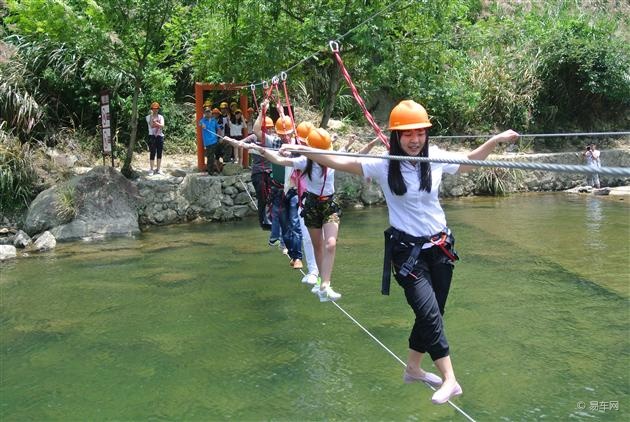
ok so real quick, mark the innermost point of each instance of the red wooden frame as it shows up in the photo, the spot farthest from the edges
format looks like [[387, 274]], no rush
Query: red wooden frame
[[200, 88]]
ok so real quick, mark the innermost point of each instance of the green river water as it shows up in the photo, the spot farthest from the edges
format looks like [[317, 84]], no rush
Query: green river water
[[208, 323]]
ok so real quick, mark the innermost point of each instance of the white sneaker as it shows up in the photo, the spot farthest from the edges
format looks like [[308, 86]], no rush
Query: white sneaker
[[150, 172], [315, 288], [158, 171], [309, 279], [328, 294]]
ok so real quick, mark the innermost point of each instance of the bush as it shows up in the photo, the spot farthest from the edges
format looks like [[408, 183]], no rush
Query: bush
[[17, 175]]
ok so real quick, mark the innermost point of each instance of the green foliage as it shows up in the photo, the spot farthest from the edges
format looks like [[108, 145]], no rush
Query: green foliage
[[497, 181], [66, 204], [476, 66], [17, 175]]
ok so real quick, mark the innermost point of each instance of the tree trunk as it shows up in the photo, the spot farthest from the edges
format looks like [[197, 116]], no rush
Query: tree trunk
[[334, 79], [127, 170]]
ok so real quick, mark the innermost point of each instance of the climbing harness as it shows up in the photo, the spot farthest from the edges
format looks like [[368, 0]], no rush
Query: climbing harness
[[443, 240]]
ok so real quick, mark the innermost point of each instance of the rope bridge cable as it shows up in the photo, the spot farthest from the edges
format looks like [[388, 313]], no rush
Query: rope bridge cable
[[538, 135], [380, 343], [562, 168]]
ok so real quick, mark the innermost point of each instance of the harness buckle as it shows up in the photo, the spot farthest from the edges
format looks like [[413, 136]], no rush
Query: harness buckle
[[406, 268]]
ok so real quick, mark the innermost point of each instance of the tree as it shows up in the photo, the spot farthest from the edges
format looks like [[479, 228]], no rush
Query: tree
[[118, 40]]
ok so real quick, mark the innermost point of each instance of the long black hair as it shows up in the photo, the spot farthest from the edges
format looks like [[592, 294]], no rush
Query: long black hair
[[237, 121], [309, 168], [394, 176]]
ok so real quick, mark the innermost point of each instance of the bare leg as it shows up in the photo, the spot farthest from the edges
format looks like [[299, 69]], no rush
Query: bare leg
[[329, 248], [151, 165], [450, 387], [159, 162]]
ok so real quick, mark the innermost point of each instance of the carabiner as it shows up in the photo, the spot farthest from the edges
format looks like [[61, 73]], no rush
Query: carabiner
[[283, 76], [334, 46], [252, 87], [274, 80], [265, 84]]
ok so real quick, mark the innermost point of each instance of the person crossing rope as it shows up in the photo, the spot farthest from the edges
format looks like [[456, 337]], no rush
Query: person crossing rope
[[321, 212], [419, 246]]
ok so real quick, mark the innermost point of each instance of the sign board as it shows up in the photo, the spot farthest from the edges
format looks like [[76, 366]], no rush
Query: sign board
[[106, 130]]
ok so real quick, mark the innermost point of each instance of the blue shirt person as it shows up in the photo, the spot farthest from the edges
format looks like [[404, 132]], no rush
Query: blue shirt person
[[209, 132]]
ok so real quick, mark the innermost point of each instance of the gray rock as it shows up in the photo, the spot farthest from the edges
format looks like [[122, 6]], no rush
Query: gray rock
[[46, 241], [42, 213], [242, 198], [371, 194], [178, 173], [7, 252], [230, 190], [106, 205], [22, 240], [231, 169]]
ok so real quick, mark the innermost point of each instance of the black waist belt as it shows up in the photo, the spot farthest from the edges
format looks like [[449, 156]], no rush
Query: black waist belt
[[393, 236]]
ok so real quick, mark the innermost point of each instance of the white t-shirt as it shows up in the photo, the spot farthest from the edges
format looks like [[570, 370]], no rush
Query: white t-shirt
[[417, 212], [236, 129], [316, 181], [155, 131]]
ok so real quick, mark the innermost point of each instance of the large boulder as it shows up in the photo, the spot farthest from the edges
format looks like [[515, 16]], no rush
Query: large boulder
[[7, 252], [105, 203]]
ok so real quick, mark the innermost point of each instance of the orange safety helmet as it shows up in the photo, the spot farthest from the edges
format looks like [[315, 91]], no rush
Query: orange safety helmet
[[284, 126], [304, 128], [268, 122], [216, 111], [249, 109], [319, 138], [408, 114], [155, 105]]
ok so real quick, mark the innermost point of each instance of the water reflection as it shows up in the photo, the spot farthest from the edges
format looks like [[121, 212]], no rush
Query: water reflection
[[593, 222]]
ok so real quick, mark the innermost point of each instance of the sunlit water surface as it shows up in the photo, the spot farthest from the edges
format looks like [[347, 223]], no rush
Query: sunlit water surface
[[206, 322]]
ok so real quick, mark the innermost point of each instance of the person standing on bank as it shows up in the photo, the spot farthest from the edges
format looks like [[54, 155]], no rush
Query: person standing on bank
[[418, 245], [155, 121], [591, 155]]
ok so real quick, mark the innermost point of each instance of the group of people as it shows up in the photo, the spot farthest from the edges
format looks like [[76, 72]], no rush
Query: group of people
[[217, 123], [419, 246], [292, 173]]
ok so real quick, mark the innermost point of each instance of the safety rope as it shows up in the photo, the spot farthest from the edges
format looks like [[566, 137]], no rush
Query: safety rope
[[562, 168], [334, 47], [253, 88], [283, 78]]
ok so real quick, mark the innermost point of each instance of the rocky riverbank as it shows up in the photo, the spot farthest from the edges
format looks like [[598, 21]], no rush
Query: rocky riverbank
[[101, 202]]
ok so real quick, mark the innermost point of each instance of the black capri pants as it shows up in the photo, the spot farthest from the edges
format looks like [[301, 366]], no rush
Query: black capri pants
[[426, 289], [156, 145]]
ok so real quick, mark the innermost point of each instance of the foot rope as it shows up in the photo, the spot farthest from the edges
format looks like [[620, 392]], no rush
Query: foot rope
[[380, 343]]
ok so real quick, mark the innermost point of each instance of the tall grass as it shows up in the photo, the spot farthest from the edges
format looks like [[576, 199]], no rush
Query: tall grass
[[17, 175]]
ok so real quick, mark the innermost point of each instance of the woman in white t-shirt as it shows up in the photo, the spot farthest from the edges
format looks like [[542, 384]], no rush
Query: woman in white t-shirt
[[237, 126], [418, 245]]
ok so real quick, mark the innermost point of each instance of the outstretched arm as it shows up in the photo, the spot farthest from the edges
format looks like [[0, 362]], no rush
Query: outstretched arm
[[337, 162], [487, 147], [368, 147]]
